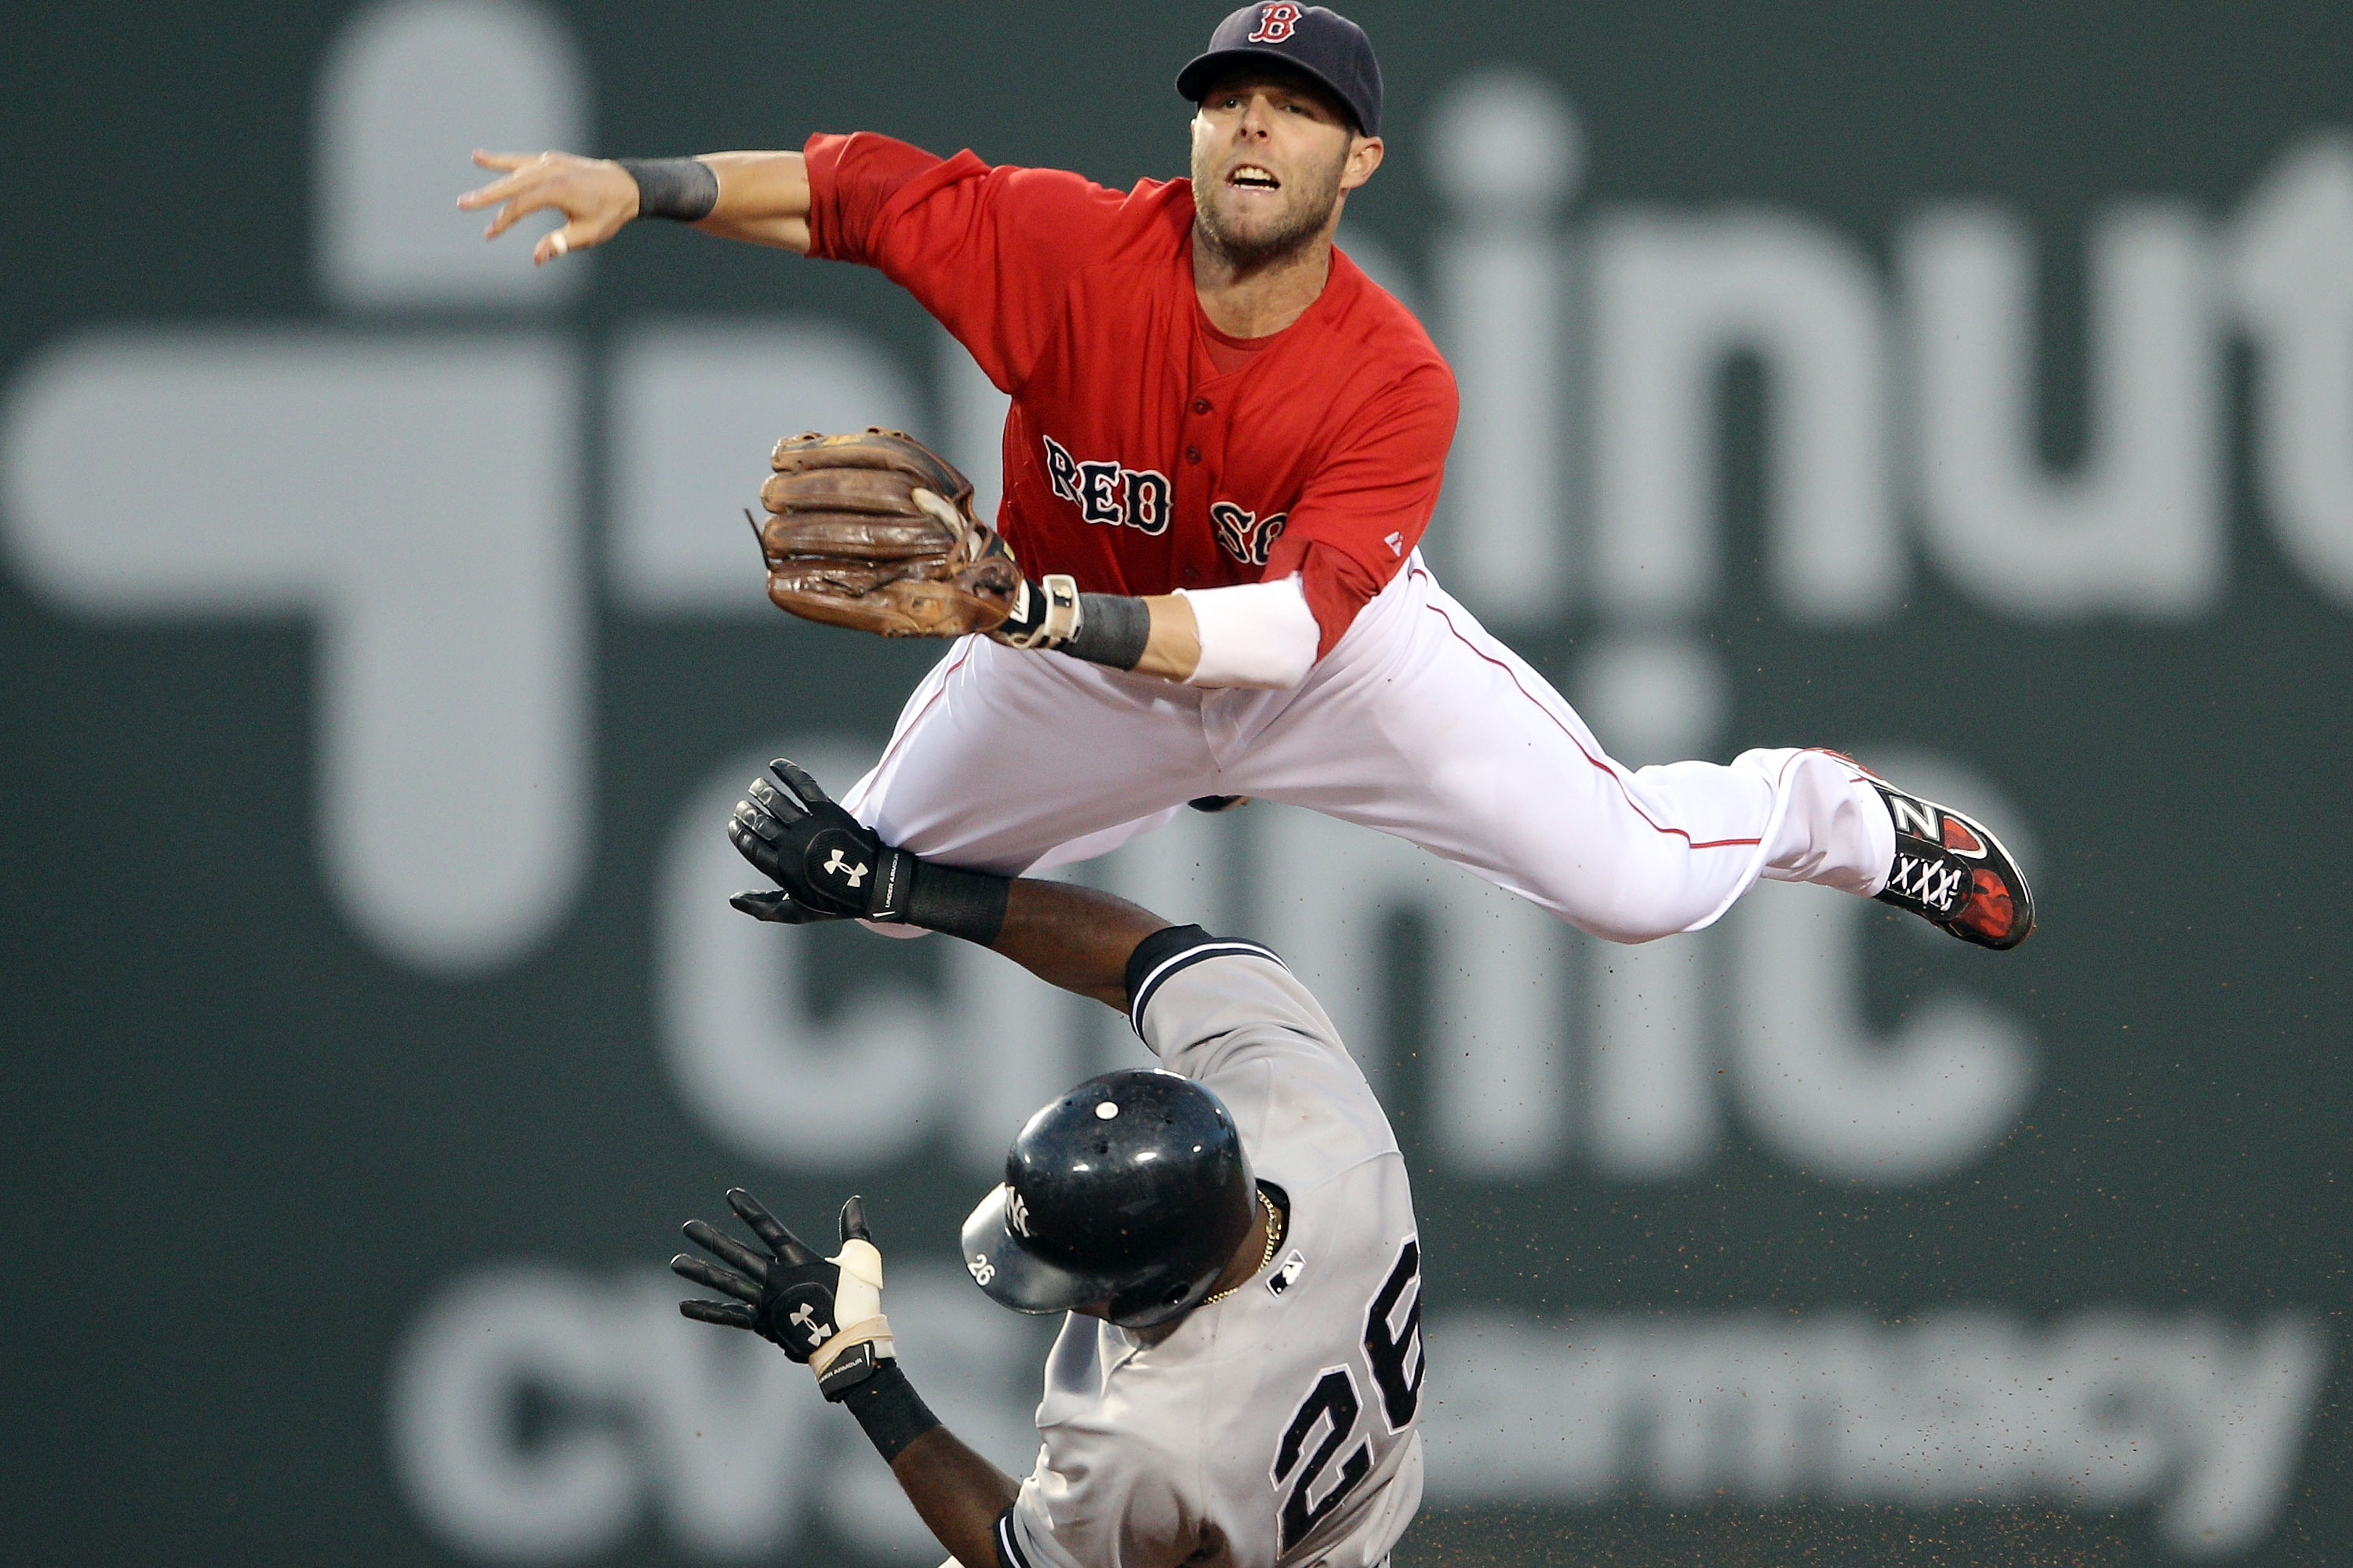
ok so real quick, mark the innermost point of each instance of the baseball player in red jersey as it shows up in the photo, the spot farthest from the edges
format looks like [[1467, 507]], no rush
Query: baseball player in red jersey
[[1230, 441]]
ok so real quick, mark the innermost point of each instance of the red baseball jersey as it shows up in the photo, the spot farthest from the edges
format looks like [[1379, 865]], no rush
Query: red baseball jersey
[[1130, 462]]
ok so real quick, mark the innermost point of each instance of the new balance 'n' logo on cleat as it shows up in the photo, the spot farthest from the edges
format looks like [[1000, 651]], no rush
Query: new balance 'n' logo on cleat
[[1952, 872]]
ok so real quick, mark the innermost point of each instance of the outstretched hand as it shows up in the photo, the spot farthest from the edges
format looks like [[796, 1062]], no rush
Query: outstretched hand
[[786, 1296], [824, 1312], [595, 195]]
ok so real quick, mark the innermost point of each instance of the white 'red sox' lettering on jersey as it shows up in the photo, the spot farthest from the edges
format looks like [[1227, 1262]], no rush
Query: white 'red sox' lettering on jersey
[[1276, 1427]]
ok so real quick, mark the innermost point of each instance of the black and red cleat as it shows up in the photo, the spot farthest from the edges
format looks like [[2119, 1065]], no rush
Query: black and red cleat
[[1951, 871]]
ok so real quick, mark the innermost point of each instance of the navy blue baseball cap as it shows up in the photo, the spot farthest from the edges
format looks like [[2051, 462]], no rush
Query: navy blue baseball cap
[[1314, 40]]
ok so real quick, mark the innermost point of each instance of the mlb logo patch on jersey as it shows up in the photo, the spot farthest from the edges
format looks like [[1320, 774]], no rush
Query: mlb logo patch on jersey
[[1283, 1278]]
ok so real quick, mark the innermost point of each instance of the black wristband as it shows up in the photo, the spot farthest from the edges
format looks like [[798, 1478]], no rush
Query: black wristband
[[681, 188], [1113, 630], [957, 903], [890, 1411]]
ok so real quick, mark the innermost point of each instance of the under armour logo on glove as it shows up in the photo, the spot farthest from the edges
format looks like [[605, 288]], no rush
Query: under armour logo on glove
[[782, 1291], [811, 1323], [827, 864]]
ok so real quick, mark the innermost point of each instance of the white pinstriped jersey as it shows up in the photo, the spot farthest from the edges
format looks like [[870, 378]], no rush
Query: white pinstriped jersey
[[1277, 1426]]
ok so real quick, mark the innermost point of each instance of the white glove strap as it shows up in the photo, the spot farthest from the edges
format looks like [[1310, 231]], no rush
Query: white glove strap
[[874, 1331], [1062, 614]]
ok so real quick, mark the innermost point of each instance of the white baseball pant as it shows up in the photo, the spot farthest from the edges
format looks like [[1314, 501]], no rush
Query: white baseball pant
[[1416, 724]]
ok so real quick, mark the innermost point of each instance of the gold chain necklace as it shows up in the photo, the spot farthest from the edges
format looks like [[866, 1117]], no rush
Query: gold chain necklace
[[1273, 1240]]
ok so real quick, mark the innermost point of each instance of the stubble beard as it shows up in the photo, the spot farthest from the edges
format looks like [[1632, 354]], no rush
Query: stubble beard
[[1302, 220]]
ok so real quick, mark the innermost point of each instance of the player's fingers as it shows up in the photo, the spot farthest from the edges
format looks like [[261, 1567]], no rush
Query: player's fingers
[[765, 858], [777, 803], [520, 173], [727, 1249], [563, 242], [769, 906], [758, 820], [712, 1277], [497, 190], [752, 847], [519, 207], [768, 1228], [853, 1220], [726, 1313], [779, 907], [798, 779]]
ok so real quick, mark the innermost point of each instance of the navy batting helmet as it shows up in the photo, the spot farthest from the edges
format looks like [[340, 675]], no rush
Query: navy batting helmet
[[1126, 1196]]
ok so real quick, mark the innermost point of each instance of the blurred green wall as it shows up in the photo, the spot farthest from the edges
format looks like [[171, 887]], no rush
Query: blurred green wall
[[1968, 387]]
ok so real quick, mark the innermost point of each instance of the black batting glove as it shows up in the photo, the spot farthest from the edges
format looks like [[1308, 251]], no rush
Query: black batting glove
[[826, 864], [789, 1296], [829, 868]]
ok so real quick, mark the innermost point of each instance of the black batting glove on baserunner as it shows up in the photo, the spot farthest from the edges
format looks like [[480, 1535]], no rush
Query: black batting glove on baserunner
[[829, 867], [824, 1312]]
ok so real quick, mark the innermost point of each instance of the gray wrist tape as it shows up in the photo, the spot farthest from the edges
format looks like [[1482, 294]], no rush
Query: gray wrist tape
[[1113, 630], [681, 188]]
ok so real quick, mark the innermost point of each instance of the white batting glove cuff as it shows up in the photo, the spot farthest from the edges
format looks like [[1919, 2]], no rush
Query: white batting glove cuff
[[1053, 604]]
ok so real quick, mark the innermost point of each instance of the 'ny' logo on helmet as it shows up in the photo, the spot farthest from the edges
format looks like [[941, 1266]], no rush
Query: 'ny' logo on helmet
[[1276, 23]]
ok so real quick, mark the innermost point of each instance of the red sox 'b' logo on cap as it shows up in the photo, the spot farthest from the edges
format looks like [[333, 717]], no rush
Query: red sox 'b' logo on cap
[[1276, 23]]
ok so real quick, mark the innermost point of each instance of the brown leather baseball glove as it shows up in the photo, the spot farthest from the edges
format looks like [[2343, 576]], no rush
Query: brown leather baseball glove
[[875, 531]]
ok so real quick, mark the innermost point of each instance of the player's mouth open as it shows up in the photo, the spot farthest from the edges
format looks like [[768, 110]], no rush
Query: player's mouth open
[[1250, 177]]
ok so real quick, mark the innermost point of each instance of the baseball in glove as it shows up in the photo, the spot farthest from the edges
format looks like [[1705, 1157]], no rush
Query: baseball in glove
[[875, 531]]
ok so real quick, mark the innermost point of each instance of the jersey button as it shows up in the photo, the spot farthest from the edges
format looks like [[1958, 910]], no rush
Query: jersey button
[[1192, 454], [1200, 404]]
